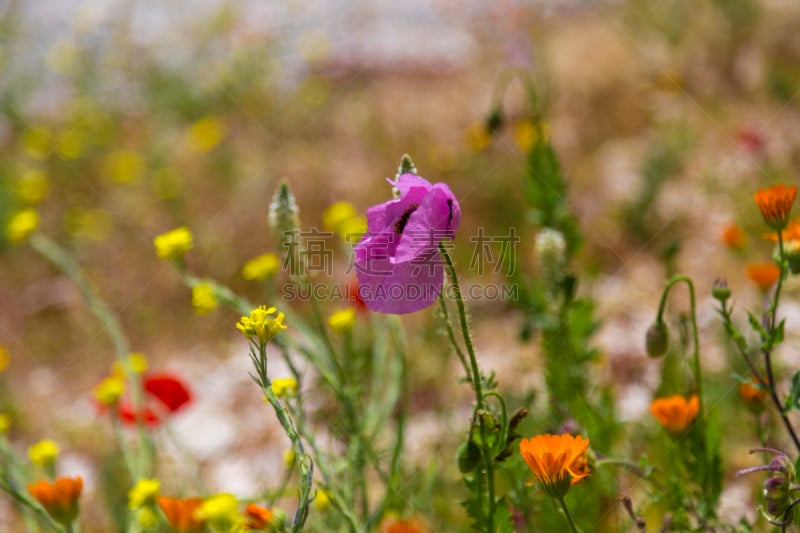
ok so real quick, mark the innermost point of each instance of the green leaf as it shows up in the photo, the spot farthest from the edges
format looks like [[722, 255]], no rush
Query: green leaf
[[793, 399]]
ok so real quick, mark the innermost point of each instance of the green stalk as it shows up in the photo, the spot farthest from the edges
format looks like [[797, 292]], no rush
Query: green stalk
[[480, 401], [773, 311], [567, 515], [304, 463]]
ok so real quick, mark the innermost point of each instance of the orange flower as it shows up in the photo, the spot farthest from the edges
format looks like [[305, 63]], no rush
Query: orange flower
[[675, 413], [764, 275], [775, 204], [753, 394], [394, 524], [59, 498], [257, 517], [180, 513], [734, 237], [558, 461]]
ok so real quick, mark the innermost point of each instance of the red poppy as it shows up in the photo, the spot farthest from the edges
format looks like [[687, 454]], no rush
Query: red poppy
[[164, 393]]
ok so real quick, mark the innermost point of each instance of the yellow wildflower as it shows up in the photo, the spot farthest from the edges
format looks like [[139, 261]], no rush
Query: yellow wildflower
[[478, 137], [260, 324], [323, 500], [93, 224], [109, 391], [288, 457], [72, 143], [43, 452], [284, 387], [33, 186], [124, 166], [22, 224], [204, 299], [221, 512], [137, 363], [205, 134], [37, 142], [336, 214], [143, 493], [261, 267], [5, 358], [146, 518], [527, 133], [342, 320], [5, 422], [174, 243]]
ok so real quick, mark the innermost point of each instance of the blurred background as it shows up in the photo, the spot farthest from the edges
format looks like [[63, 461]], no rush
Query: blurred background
[[120, 120]]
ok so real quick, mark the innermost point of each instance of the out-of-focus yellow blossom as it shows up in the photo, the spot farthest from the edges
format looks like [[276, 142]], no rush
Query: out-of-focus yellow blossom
[[336, 214], [442, 157], [44, 452], [22, 224], [343, 319], [165, 183], [352, 230], [323, 500], [205, 134], [261, 267], [137, 362], [5, 358], [143, 493], [221, 512], [72, 143], [62, 56], [260, 324], [38, 142], [124, 166], [284, 387], [288, 457], [5, 423], [204, 299], [477, 136], [147, 518], [109, 391], [92, 224], [174, 243], [33, 186], [527, 133]]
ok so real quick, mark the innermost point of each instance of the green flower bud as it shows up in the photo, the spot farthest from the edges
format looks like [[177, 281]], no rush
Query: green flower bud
[[720, 290], [657, 340], [469, 455]]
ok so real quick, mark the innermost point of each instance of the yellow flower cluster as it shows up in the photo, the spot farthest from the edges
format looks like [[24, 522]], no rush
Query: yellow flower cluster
[[284, 387], [174, 243], [342, 320], [261, 267], [143, 493], [204, 299], [44, 452], [260, 324]]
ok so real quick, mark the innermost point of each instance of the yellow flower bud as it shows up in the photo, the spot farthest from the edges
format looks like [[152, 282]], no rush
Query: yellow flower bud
[[261, 267], [22, 224], [173, 244], [5, 423], [342, 320], [204, 299], [109, 391], [143, 493]]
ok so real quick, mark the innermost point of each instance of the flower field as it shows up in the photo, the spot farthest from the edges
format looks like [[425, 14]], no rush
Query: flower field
[[430, 268]]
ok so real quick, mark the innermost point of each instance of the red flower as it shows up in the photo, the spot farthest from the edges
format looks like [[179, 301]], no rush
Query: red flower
[[164, 394], [354, 297]]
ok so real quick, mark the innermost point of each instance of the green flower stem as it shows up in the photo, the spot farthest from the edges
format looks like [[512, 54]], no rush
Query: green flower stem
[[698, 371], [567, 515], [54, 253], [480, 401], [773, 311], [452, 337], [304, 462]]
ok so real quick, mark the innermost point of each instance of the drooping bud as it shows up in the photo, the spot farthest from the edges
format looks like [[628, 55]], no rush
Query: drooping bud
[[657, 339]]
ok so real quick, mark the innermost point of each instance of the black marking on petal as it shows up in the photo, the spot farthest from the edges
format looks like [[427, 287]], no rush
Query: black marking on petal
[[450, 208], [400, 225]]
